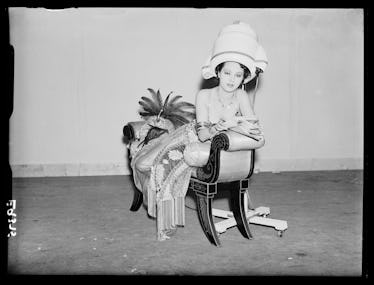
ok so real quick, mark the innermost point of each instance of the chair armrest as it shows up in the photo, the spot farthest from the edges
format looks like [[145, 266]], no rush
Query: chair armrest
[[131, 130], [228, 164], [197, 153], [210, 172], [238, 141]]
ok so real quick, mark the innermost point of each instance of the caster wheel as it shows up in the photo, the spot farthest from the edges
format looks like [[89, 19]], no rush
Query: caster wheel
[[280, 233]]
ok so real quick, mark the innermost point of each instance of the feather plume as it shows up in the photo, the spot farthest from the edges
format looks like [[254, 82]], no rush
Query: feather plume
[[156, 97], [145, 114], [169, 109], [174, 99], [147, 108], [181, 113], [181, 105], [159, 98], [166, 100], [150, 103]]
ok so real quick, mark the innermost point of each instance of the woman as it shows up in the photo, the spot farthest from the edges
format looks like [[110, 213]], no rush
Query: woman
[[160, 166], [226, 106]]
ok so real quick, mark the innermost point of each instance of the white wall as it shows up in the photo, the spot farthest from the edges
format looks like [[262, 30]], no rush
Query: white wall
[[79, 74]]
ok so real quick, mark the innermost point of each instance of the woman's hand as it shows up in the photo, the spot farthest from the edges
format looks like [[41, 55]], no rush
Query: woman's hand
[[252, 119], [251, 127], [223, 125]]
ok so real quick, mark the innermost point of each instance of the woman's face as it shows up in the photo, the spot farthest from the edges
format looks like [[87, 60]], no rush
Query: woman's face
[[231, 76]]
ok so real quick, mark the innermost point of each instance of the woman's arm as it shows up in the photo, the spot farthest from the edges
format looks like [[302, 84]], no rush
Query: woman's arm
[[204, 128], [245, 105], [251, 97]]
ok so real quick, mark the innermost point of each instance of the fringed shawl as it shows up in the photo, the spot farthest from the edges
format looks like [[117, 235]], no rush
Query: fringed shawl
[[165, 185]]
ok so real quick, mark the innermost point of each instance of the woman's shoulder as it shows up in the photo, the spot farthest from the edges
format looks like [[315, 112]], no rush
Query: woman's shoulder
[[240, 93], [203, 94], [242, 96]]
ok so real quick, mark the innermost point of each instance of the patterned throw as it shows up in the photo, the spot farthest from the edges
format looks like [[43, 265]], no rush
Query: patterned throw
[[165, 187]]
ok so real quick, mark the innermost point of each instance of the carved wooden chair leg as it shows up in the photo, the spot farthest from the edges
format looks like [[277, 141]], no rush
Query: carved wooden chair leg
[[204, 193], [237, 199], [137, 202]]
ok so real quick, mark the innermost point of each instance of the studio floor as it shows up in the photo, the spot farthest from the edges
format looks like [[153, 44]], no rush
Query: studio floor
[[83, 225]]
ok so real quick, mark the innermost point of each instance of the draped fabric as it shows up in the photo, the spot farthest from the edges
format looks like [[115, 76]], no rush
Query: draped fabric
[[164, 184]]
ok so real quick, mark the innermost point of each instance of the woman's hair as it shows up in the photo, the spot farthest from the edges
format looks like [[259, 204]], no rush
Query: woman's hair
[[245, 69]]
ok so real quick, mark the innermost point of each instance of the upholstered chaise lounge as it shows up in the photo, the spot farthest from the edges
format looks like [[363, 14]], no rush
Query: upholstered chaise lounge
[[228, 161]]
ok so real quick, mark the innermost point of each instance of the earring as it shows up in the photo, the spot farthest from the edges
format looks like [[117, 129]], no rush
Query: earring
[[243, 86]]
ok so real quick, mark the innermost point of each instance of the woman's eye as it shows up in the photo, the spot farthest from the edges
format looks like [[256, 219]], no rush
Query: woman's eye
[[227, 73], [239, 75]]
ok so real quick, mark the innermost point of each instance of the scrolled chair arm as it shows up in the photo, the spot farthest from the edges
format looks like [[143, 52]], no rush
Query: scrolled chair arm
[[209, 173], [131, 130], [238, 142], [231, 158]]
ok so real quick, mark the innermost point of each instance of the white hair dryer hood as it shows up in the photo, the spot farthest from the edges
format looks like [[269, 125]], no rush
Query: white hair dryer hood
[[236, 42]]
